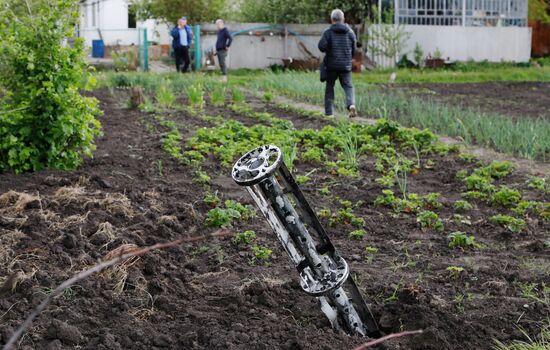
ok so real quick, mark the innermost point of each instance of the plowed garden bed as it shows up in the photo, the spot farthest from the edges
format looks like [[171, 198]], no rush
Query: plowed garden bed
[[216, 294]]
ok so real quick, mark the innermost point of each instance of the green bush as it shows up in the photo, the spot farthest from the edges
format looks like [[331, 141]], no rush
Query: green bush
[[429, 219], [44, 121]]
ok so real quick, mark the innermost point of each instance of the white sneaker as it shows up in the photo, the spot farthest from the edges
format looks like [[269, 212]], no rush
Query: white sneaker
[[352, 111]]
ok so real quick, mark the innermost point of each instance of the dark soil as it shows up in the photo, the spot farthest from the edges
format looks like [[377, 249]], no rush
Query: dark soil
[[516, 99], [210, 294]]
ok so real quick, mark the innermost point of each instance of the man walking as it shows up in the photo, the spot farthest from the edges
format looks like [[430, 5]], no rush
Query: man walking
[[338, 43], [182, 38], [222, 45]]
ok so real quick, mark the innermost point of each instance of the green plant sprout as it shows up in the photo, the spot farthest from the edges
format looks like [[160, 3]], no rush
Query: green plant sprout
[[455, 271], [165, 98], [261, 253], [462, 205], [201, 178], [514, 225], [461, 240], [506, 197], [429, 220], [195, 94], [211, 199], [245, 237], [358, 234]]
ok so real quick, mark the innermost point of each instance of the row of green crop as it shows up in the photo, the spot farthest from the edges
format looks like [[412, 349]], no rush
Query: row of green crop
[[526, 137]]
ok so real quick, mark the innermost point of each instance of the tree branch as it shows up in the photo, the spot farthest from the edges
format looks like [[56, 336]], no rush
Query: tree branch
[[387, 337]]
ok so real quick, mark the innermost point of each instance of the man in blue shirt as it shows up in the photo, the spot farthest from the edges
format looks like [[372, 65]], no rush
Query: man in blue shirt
[[182, 38], [222, 44]]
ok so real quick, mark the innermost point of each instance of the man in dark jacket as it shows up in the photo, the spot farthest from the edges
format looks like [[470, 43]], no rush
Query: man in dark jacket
[[182, 38], [338, 43], [222, 45]]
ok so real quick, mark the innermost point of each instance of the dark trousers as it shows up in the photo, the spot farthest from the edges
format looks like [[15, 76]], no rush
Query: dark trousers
[[222, 55], [345, 82], [182, 58]]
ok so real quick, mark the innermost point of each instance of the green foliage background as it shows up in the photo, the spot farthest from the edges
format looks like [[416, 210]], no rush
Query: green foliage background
[[44, 120], [171, 10], [303, 11], [539, 11]]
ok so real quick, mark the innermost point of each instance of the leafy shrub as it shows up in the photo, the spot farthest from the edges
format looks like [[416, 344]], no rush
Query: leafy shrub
[[313, 154], [220, 217], [513, 224], [479, 183], [538, 183], [44, 121], [463, 205], [429, 219], [358, 234], [224, 217], [211, 199], [245, 237], [506, 196], [461, 240], [467, 157], [525, 207], [347, 217], [474, 195], [261, 253], [496, 169], [246, 211]]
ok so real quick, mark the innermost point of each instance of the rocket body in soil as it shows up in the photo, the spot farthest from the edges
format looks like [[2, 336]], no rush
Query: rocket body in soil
[[323, 272]]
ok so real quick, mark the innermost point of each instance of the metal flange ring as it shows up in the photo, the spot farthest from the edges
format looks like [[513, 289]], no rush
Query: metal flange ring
[[257, 165]]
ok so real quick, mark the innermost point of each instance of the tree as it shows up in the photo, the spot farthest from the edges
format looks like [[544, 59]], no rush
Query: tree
[[539, 11], [44, 120], [171, 10], [303, 11], [386, 38]]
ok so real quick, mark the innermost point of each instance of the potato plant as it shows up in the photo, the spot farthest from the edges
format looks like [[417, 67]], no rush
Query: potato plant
[[462, 240]]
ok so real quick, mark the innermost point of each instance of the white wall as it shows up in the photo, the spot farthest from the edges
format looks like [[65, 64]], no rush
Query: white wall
[[493, 44]]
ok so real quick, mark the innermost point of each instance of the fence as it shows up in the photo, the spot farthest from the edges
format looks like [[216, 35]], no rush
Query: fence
[[457, 43]]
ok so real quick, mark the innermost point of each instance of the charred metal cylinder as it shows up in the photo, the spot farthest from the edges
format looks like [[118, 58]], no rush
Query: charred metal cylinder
[[323, 272]]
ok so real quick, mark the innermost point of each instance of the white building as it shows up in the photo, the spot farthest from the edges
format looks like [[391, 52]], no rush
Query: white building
[[112, 22]]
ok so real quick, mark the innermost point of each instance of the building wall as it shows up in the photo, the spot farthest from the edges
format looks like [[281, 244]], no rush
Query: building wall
[[111, 23], [493, 44]]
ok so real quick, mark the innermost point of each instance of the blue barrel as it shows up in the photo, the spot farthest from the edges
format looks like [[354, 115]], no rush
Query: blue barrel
[[98, 49]]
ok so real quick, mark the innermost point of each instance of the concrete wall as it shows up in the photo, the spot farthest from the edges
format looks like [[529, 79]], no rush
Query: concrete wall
[[260, 48], [493, 44]]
